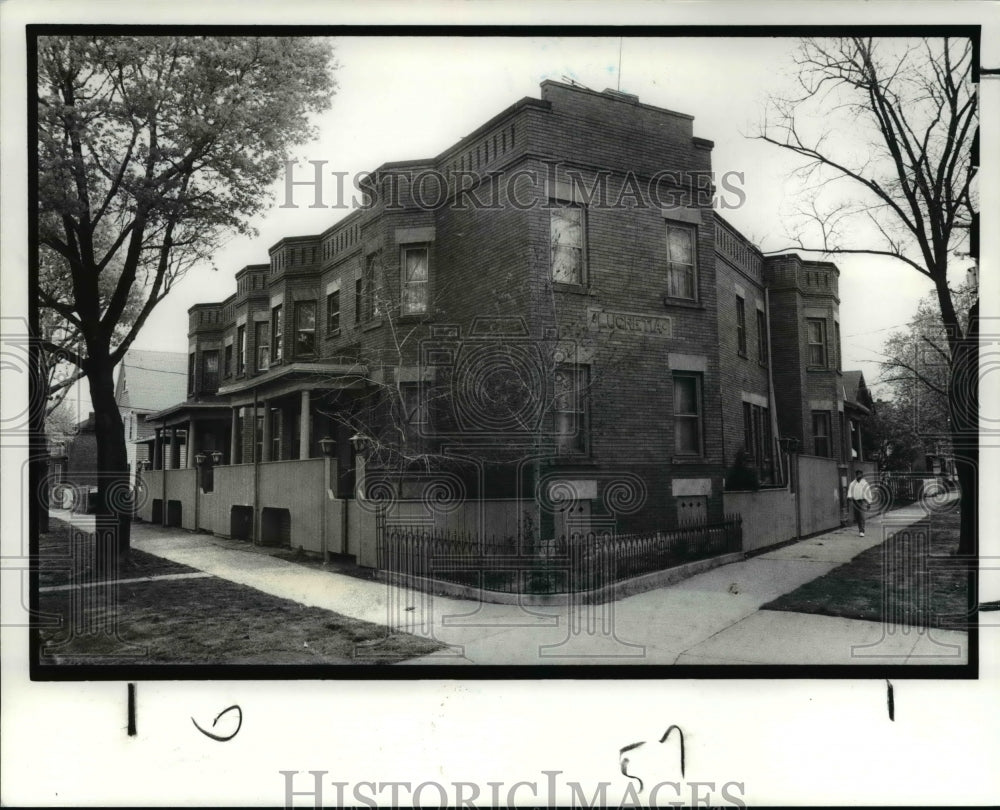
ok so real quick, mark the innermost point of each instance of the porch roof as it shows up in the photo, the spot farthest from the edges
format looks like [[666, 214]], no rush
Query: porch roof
[[283, 380], [181, 438], [856, 406], [296, 376], [183, 411]]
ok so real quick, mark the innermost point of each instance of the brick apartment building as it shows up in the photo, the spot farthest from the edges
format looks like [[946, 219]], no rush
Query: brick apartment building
[[548, 317]]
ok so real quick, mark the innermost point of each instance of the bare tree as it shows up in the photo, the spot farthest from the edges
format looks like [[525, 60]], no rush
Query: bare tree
[[888, 132]]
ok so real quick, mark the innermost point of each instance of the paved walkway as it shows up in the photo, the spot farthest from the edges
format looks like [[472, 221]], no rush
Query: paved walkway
[[102, 584], [711, 618]]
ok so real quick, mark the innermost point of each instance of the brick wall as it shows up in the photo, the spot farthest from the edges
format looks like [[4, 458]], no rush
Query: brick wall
[[740, 375], [799, 291], [493, 260]]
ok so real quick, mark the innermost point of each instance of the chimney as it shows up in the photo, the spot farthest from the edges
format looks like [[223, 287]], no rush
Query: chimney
[[618, 94]]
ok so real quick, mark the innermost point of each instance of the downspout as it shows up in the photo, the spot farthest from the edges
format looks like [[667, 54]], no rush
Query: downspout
[[793, 458], [163, 475], [198, 472], [345, 502], [775, 447], [256, 475], [324, 512]]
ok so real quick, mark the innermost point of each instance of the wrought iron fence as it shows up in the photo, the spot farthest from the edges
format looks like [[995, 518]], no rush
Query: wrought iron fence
[[898, 488], [577, 562]]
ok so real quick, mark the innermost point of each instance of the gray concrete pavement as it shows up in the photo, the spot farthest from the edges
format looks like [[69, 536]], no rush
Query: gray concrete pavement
[[710, 618]]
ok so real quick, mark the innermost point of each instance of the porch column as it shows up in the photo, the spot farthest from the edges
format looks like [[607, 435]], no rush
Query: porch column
[[265, 450], [190, 444], [305, 421], [157, 450], [861, 449], [175, 456], [234, 435]]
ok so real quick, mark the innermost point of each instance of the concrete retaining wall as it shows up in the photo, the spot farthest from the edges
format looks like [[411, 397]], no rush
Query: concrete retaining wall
[[768, 516], [181, 487], [819, 491], [233, 486], [298, 487], [152, 484]]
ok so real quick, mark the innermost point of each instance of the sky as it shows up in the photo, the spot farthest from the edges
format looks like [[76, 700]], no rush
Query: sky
[[405, 98]]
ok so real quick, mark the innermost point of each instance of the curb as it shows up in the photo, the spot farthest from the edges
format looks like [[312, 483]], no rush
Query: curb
[[597, 596]]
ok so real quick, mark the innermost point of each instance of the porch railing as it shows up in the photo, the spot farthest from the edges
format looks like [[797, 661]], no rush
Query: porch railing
[[569, 563]]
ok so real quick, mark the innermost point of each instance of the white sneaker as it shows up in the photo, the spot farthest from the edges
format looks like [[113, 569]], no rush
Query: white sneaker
[[862, 534]]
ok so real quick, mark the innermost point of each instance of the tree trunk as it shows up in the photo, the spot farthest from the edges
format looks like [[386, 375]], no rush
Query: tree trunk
[[44, 489], [38, 446], [963, 399], [114, 497]]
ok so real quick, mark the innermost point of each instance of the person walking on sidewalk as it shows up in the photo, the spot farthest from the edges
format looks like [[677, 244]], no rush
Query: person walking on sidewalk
[[860, 495]]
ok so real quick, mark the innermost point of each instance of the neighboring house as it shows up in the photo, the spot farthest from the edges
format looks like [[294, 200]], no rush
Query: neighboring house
[[858, 404], [148, 381], [619, 351], [73, 465]]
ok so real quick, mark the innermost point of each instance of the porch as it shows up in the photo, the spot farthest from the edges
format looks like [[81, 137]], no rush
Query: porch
[[266, 462]]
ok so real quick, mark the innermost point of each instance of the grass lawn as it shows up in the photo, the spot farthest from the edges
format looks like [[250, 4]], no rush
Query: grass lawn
[[203, 620], [890, 582]]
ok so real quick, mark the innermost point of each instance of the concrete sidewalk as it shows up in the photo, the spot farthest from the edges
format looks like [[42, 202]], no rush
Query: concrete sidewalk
[[711, 618]]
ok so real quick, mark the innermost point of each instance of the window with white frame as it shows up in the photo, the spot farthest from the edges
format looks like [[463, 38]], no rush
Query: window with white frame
[[681, 267], [305, 328], [687, 413], [816, 336]]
